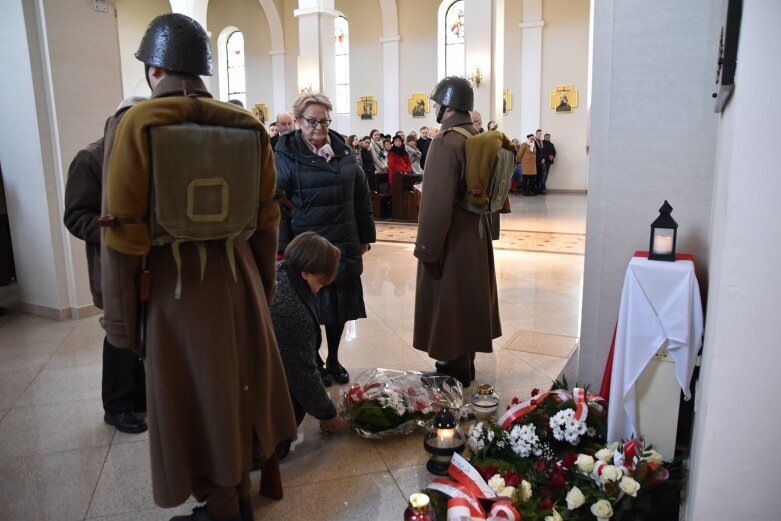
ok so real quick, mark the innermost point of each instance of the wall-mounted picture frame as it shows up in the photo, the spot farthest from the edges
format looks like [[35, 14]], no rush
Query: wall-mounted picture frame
[[261, 112], [507, 101], [366, 107], [418, 105], [563, 99]]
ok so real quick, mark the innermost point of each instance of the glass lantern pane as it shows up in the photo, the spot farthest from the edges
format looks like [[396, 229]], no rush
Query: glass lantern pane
[[663, 241]]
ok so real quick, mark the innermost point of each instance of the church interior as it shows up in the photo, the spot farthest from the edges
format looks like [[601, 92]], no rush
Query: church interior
[[635, 98]]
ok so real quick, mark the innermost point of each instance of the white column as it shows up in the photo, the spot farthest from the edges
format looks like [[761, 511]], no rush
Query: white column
[[531, 65], [197, 10], [486, 52], [280, 85], [390, 90], [316, 59]]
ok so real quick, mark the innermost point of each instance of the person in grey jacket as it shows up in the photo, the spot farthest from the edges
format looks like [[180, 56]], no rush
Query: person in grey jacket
[[311, 262], [414, 154]]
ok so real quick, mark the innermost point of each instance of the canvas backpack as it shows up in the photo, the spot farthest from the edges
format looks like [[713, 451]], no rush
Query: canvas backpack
[[204, 187], [489, 167]]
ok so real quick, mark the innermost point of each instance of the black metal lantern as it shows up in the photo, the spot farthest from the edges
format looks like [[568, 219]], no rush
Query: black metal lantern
[[664, 232], [442, 441]]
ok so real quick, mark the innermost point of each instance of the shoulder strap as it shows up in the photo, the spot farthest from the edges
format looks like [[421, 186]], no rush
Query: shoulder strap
[[464, 132]]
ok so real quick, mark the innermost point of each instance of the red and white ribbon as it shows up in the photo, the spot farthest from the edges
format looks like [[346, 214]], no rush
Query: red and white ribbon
[[519, 411], [458, 509], [581, 409], [456, 490], [504, 509], [468, 476]]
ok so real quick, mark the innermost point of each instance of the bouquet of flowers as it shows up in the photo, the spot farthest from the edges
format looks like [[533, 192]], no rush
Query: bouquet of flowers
[[548, 424], [384, 402], [617, 483]]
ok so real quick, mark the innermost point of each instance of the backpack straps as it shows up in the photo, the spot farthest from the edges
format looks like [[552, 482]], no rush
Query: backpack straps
[[464, 132]]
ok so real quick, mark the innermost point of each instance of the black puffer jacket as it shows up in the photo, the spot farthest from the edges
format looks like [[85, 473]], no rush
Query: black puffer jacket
[[329, 198]]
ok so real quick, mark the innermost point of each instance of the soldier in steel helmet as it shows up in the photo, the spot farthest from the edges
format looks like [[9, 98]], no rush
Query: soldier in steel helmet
[[195, 308], [456, 304]]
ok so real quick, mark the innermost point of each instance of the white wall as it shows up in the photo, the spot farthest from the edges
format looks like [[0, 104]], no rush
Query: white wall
[[653, 137], [735, 462], [249, 18], [133, 17], [62, 89], [565, 62]]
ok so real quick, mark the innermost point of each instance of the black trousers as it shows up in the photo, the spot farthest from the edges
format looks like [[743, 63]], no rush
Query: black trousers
[[124, 380]]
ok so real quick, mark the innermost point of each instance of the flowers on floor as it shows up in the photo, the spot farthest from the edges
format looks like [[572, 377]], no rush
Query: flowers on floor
[[549, 455], [385, 402]]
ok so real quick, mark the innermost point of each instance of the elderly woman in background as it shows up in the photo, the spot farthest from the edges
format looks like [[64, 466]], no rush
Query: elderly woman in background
[[330, 196]]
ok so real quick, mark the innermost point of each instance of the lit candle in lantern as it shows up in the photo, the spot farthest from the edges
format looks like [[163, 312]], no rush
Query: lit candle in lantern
[[663, 244]]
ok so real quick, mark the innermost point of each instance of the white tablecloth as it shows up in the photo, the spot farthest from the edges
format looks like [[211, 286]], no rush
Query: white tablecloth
[[660, 308]]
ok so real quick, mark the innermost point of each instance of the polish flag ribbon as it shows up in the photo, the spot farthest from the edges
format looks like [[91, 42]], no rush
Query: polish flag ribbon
[[456, 490], [463, 472], [518, 411], [581, 409]]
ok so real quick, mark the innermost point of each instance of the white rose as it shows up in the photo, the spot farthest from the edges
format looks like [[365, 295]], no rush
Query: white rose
[[575, 498], [506, 492], [496, 483], [526, 491], [609, 473], [653, 457], [602, 509], [613, 446], [629, 486], [555, 517], [585, 463], [605, 455]]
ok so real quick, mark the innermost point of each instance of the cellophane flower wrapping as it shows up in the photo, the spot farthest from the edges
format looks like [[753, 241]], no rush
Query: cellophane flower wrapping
[[382, 403]]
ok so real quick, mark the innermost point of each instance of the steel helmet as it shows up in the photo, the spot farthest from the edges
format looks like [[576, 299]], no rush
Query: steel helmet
[[177, 43], [454, 92]]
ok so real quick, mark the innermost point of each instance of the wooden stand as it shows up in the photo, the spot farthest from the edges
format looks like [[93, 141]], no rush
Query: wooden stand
[[404, 200]]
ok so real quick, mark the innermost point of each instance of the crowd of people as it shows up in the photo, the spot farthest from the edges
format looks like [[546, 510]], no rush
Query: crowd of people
[[217, 249]]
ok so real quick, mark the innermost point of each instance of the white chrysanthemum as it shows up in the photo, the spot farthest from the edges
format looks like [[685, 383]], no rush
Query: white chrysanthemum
[[524, 441], [496, 483], [565, 427]]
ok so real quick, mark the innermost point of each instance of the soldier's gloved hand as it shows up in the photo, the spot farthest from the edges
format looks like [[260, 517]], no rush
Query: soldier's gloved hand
[[433, 269]]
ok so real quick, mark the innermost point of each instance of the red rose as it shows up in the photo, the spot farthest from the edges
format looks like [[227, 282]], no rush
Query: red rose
[[488, 472], [515, 400], [512, 478], [540, 465], [545, 503], [535, 391], [569, 460], [556, 481]]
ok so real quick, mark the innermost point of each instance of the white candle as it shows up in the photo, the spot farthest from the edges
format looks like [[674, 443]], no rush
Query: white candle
[[663, 244]]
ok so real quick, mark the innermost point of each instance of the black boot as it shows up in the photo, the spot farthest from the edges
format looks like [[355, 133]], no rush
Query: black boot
[[461, 376], [201, 514]]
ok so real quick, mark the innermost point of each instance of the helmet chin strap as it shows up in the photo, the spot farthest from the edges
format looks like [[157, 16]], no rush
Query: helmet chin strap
[[440, 113]]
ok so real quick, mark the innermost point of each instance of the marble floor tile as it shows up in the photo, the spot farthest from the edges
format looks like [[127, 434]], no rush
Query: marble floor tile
[[323, 458], [66, 384], [125, 483], [83, 346], [13, 385], [26, 357], [50, 487], [3, 412], [388, 351], [401, 452], [550, 366], [412, 479], [503, 370], [22, 329], [373, 496], [155, 514], [52, 428], [542, 343]]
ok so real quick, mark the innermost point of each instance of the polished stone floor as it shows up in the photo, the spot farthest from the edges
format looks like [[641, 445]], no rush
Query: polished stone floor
[[60, 461]]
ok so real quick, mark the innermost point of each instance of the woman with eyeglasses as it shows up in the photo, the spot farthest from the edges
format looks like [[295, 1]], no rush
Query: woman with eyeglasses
[[330, 196]]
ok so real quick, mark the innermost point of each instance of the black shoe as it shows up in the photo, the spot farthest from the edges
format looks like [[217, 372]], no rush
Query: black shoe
[[463, 377], [338, 372], [201, 514], [327, 381], [126, 422], [245, 509]]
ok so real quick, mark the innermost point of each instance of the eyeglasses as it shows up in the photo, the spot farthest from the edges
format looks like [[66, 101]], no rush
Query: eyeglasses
[[314, 122]]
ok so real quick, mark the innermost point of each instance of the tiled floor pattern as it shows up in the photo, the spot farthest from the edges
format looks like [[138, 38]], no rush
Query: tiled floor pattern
[[508, 239], [61, 462]]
